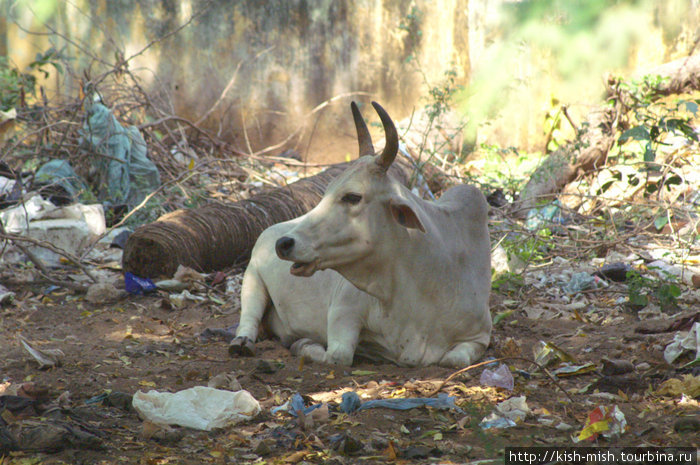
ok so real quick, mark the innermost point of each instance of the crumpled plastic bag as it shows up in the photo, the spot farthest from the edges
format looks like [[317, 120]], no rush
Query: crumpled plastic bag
[[66, 185], [508, 413], [682, 342], [126, 173], [500, 377], [200, 407]]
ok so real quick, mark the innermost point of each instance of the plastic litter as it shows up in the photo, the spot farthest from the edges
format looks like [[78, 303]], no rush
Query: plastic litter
[[70, 228], [179, 300], [546, 352], [508, 413], [200, 407], [683, 342], [137, 285], [515, 408], [582, 281], [294, 405], [351, 402], [605, 421], [573, 370], [500, 377], [544, 216], [59, 183], [126, 174], [495, 421]]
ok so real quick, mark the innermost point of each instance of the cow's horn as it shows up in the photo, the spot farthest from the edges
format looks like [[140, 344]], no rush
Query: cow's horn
[[363, 136], [392, 138]]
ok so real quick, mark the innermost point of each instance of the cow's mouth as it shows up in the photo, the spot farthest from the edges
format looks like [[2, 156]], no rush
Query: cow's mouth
[[303, 268]]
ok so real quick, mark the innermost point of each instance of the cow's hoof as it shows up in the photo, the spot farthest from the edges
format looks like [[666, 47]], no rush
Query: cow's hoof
[[299, 345], [241, 346]]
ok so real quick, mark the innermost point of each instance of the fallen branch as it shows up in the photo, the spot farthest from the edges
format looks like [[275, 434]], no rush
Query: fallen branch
[[597, 136], [488, 362]]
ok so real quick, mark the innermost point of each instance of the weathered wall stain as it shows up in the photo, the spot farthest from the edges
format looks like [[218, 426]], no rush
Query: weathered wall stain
[[292, 54]]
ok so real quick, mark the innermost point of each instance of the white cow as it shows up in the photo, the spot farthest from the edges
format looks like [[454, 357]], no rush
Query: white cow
[[375, 270]]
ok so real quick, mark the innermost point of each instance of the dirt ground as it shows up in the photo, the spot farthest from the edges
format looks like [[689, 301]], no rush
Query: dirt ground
[[142, 343]]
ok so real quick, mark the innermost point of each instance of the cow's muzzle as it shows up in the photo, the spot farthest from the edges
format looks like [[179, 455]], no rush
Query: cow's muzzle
[[284, 247]]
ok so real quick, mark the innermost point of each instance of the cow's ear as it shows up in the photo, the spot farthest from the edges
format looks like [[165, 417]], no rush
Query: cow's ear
[[405, 216]]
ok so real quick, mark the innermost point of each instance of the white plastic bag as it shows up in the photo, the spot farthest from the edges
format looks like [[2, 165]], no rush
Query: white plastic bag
[[200, 407]]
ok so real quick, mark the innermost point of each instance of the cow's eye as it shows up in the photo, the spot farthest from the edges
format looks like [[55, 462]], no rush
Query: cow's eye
[[352, 199]]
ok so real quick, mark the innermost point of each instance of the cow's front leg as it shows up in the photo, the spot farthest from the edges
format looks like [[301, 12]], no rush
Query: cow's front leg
[[344, 324], [254, 301], [463, 355]]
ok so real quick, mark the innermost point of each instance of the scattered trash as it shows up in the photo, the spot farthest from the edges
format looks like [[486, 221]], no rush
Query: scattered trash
[[126, 175], [47, 358], [614, 272], [546, 353], [582, 281], [573, 370], [351, 402], [138, 286], [171, 285], [544, 216], [666, 271], [674, 387], [609, 422], [515, 408], [495, 421], [508, 413], [295, 405], [59, 183], [179, 300], [683, 342], [200, 407], [72, 228], [500, 377]]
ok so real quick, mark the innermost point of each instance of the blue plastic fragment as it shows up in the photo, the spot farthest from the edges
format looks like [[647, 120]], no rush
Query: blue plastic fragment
[[351, 402], [294, 405], [137, 285]]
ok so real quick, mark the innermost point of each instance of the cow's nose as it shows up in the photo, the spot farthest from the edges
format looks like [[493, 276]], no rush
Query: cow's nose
[[284, 246]]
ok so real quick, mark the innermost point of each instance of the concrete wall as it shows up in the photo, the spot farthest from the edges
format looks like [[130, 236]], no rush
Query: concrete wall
[[287, 56]]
